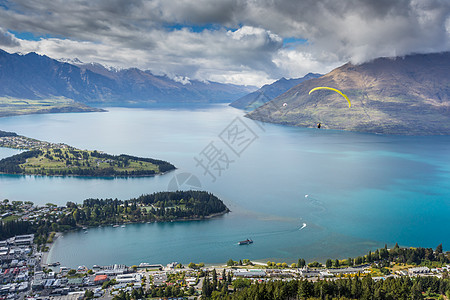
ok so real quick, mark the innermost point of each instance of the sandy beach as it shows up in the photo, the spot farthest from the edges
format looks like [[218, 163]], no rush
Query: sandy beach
[[49, 245]]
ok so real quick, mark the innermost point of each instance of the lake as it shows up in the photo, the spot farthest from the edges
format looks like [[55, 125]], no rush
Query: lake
[[297, 192]]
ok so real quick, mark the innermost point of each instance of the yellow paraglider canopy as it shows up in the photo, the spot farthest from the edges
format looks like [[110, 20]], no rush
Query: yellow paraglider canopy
[[332, 89]]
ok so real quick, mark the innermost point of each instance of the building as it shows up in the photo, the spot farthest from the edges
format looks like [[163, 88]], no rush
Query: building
[[75, 281], [342, 271], [150, 266], [249, 273], [191, 281], [418, 271], [111, 270], [99, 279], [159, 279], [23, 240], [306, 272], [128, 278]]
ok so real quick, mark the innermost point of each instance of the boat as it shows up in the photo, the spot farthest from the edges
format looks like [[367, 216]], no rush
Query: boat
[[115, 226], [246, 242], [123, 226], [55, 264]]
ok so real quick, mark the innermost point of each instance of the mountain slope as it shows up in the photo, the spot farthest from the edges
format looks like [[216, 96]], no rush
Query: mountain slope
[[269, 91], [33, 76], [405, 95]]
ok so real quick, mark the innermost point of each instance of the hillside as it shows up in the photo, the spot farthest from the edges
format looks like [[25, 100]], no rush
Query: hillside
[[14, 107], [268, 92], [70, 161], [405, 95], [45, 158], [34, 76]]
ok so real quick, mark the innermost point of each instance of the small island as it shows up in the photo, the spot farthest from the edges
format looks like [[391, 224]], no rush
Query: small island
[[156, 207], [24, 218], [44, 158], [15, 107]]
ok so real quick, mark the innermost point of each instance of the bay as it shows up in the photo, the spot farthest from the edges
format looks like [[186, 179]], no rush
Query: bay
[[354, 191]]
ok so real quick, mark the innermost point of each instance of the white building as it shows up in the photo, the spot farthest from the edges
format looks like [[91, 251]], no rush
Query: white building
[[21, 240], [418, 271], [129, 278]]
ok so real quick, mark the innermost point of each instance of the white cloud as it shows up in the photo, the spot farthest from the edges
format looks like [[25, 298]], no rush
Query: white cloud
[[181, 79], [299, 63], [239, 41]]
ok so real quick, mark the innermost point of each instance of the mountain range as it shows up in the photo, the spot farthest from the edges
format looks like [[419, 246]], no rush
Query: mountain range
[[407, 95], [34, 76], [268, 92]]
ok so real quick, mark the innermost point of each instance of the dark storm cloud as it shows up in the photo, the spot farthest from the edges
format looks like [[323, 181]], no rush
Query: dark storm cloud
[[200, 11], [358, 29], [114, 21], [242, 39], [7, 40]]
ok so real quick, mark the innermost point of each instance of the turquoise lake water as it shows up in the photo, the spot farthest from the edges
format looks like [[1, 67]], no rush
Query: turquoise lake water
[[363, 190]]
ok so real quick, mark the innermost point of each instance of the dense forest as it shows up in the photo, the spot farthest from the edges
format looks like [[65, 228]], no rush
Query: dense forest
[[14, 227], [385, 257], [355, 288], [163, 166], [162, 206], [11, 165], [81, 163], [6, 133]]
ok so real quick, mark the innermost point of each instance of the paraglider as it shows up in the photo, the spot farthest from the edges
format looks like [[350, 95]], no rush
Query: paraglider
[[332, 89]]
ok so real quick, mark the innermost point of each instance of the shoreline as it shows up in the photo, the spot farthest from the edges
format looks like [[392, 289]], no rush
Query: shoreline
[[45, 254], [151, 222], [88, 176], [195, 219]]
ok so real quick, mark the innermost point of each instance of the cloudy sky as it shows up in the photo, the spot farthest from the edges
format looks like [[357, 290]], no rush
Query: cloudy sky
[[236, 41]]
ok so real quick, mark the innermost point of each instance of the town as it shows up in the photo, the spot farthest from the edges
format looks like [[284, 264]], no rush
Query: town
[[25, 143], [26, 273]]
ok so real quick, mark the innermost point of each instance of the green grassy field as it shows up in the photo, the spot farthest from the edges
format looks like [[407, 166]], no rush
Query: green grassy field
[[53, 161], [12, 106], [10, 218]]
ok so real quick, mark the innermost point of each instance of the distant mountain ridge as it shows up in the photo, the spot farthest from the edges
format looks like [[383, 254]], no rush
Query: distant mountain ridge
[[34, 76], [404, 95], [269, 91]]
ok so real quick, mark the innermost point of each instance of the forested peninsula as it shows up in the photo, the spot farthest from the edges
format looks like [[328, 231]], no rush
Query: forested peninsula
[[44, 158], [24, 218]]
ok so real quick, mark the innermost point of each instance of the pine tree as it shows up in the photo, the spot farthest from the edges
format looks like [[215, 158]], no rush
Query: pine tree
[[206, 289], [224, 274], [336, 263], [214, 283]]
